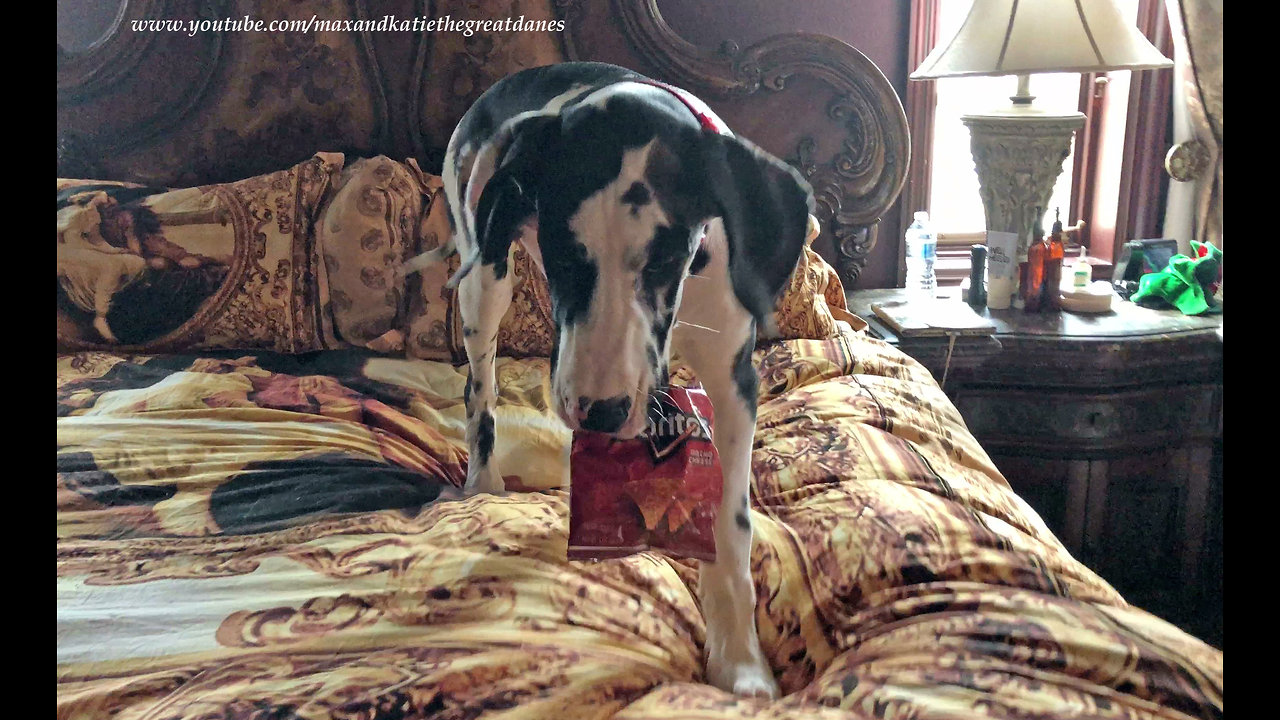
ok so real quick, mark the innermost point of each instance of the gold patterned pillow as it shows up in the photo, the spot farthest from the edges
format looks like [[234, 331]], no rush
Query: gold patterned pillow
[[213, 267], [813, 299], [364, 233]]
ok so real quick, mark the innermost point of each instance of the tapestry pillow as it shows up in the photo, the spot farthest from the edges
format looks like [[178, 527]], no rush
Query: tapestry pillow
[[365, 232], [813, 299], [229, 266]]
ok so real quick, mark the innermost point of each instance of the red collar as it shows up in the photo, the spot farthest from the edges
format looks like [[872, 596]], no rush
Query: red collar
[[706, 117]]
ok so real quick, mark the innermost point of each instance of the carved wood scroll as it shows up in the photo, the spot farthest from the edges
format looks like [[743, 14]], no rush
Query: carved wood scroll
[[177, 109]]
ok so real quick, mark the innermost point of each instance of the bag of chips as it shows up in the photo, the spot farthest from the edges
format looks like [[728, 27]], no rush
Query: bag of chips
[[659, 491]]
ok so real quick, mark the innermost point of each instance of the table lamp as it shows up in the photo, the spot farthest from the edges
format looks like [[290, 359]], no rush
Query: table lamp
[[1018, 150]]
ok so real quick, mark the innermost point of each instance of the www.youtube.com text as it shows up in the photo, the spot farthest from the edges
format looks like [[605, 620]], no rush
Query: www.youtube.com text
[[387, 23]]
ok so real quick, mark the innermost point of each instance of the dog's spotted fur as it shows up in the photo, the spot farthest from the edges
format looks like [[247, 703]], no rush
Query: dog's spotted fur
[[638, 216]]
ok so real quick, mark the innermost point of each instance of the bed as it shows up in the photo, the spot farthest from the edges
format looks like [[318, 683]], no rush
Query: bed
[[261, 434]]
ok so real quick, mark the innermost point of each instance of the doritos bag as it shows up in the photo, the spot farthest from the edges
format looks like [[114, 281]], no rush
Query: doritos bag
[[659, 491]]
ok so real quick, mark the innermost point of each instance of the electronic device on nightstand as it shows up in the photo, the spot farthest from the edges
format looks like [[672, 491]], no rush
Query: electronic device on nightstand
[[1138, 258]]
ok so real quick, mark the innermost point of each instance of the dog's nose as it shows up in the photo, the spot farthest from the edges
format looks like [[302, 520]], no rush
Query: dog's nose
[[605, 416]]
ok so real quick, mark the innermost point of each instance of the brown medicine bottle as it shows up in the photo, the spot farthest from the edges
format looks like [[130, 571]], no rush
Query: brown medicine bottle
[[1054, 253], [1032, 287]]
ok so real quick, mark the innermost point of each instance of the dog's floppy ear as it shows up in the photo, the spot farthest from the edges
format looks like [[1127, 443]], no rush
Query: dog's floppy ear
[[765, 205], [510, 197]]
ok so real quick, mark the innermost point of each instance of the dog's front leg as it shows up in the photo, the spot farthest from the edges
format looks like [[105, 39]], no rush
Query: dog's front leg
[[722, 362], [484, 300]]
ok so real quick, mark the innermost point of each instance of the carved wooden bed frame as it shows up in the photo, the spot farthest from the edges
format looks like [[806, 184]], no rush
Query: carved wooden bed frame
[[175, 109]]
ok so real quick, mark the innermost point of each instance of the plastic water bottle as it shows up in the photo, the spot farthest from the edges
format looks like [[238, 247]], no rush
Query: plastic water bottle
[[922, 251]]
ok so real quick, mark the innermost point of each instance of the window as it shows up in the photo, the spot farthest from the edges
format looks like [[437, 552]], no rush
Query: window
[[954, 203], [1104, 191]]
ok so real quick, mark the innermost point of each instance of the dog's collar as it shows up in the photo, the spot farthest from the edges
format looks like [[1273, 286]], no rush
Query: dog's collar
[[706, 117]]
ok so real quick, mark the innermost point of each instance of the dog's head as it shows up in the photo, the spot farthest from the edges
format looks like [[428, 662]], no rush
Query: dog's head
[[622, 190]]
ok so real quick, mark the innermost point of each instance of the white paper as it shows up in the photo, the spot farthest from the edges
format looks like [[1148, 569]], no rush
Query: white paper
[[1002, 253], [1002, 264]]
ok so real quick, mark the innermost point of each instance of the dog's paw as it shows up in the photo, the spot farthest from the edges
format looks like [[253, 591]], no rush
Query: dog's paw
[[745, 679], [487, 481]]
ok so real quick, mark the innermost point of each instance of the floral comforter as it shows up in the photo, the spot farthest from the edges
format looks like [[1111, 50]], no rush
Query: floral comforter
[[269, 536]]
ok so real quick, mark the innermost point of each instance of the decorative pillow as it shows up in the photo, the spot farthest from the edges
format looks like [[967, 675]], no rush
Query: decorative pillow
[[808, 309], [214, 267], [813, 299], [365, 232]]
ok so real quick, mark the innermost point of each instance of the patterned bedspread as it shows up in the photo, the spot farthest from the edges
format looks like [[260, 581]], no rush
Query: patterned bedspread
[[266, 536]]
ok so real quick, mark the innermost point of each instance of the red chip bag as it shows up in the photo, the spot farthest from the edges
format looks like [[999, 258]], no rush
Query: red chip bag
[[659, 491]]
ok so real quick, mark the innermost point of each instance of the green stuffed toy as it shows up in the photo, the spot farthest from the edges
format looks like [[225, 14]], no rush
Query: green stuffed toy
[[1187, 283]]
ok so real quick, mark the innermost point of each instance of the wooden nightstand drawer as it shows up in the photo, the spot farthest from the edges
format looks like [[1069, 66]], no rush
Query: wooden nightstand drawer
[[1072, 423]]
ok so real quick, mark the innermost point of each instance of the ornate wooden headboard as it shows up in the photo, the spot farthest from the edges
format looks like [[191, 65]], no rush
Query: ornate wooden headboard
[[175, 108]]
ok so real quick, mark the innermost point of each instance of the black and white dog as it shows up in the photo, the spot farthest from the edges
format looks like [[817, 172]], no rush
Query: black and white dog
[[654, 230]]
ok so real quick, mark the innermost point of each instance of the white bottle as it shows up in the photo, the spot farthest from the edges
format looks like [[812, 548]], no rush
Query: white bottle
[[1081, 272], [922, 251]]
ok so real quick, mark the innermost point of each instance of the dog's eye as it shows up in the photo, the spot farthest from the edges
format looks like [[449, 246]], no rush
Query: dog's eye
[[553, 263], [561, 263], [661, 268], [636, 195]]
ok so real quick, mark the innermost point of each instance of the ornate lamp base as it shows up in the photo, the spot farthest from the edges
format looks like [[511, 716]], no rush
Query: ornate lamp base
[[1018, 154]]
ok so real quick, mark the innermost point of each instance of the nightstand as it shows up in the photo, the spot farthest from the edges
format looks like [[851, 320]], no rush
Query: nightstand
[[1111, 427], [969, 352]]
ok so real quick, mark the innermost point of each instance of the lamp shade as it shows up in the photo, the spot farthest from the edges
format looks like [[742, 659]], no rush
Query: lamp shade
[[1019, 37]]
